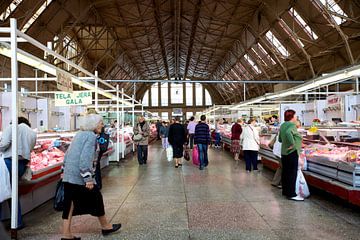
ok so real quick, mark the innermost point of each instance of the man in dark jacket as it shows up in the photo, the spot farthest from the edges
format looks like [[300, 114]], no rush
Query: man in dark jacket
[[202, 139], [158, 126]]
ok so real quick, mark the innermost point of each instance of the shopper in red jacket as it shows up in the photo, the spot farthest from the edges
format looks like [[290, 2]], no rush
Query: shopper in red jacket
[[236, 131]]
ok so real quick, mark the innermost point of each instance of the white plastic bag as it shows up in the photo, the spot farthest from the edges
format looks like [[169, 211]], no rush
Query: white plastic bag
[[5, 187], [302, 188], [169, 153], [277, 147]]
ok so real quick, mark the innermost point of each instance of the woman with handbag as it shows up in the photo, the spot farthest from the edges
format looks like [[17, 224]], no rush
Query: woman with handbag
[[141, 139], [250, 140], [236, 131], [81, 195], [26, 143]]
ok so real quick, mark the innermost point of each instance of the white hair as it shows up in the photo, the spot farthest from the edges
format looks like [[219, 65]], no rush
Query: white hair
[[89, 122]]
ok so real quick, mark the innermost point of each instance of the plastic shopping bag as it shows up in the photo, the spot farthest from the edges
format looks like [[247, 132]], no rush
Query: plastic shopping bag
[[169, 153], [302, 188], [195, 156], [5, 186], [59, 196]]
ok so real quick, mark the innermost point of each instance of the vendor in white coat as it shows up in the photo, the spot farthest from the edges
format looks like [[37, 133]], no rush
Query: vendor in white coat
[[250, 141], [26, 143]]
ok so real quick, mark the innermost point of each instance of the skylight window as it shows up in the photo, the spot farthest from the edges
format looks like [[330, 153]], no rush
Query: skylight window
[[252, 63], [260, 47], [36, 15], [272, 39], [335, 10], [303, 24], [291, 34], [10, 9]]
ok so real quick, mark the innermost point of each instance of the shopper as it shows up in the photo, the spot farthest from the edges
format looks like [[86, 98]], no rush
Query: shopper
[[142, 128], [236, 131], [177, 138], [217, 133], [202, 140], [274, 121], [290, 150], [250, 144], [158, 126], [81, 195], [26, 143], [191, 130], [164, 132], [103, 144]]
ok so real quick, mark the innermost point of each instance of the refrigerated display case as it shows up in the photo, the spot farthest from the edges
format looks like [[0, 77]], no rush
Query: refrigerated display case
[[333, 166]]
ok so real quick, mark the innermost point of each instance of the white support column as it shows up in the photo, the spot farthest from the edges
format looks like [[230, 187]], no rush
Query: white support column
[[14, 140], [133, 118], [118, 125], [244, 92], [96, 91], [122, 123], [36, 81]]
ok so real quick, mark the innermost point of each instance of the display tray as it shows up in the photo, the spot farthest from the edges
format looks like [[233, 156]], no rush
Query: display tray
[[322, 161], [41, 173], [322, 169], [226, 140]]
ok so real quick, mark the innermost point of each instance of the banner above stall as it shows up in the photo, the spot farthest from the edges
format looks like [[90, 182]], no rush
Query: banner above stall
[[64, 82], [75, 98]]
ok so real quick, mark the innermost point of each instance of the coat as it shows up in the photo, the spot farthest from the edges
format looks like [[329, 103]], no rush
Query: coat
[[250, 139], [145, 132]]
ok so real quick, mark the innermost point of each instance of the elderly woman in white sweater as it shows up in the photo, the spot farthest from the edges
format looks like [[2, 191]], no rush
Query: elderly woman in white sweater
[[81, 195], [250, 140]]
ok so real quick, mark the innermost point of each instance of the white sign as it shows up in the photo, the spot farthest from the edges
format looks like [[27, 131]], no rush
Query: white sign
[[64, 82], [74, 98], [177, 112]]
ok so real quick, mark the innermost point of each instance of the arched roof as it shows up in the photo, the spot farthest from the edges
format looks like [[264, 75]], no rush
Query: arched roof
[[198, 39]]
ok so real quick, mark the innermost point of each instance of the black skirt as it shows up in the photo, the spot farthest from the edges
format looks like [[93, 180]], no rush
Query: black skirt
[[178, 151], [85, 201]]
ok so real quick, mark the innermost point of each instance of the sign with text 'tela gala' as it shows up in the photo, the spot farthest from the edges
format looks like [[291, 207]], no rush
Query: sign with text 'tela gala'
[[74, 98], [64, 82]]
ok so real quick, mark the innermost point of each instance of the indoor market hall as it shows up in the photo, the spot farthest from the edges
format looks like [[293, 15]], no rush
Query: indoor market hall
[[159, 201]]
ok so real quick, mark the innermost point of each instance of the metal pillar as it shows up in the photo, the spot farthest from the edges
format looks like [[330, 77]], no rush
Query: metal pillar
[[14, 139], [96, 91], [36, 81], [244, 91], [122, 124], [133, 118], [118, 124]]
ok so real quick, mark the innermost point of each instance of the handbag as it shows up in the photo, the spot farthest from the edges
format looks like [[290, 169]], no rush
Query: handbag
[[5, 189], [59, 196], [27, 176], [186, 154], [138, 137]]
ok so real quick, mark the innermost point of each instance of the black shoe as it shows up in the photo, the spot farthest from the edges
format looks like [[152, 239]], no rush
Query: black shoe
[[74, 238], [115, 227], [176, 166], [180, 164]]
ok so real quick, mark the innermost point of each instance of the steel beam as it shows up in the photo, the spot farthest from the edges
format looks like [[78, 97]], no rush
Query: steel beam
[[204, 81]]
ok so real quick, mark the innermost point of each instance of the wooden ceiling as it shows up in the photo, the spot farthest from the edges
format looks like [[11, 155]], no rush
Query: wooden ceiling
[[195, 39]]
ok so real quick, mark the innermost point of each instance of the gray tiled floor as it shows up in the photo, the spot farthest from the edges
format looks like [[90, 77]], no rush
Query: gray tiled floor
[[158, 201]]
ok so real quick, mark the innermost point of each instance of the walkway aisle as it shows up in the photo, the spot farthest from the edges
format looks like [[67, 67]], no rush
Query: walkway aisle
[[158, 201]]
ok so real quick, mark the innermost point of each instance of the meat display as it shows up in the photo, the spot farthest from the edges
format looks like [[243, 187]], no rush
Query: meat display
[[45, 154]]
